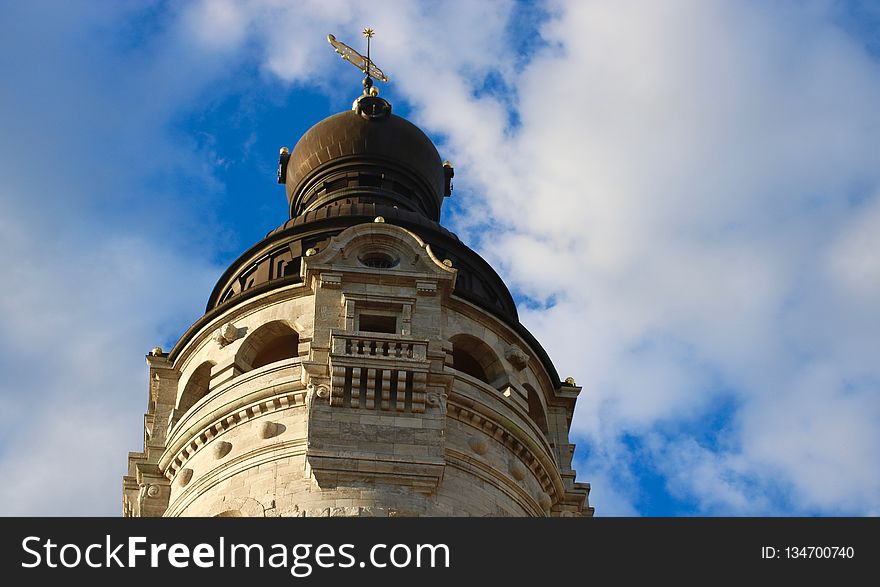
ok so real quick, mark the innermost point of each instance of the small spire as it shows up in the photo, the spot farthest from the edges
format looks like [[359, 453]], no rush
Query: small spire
[[368, 81]]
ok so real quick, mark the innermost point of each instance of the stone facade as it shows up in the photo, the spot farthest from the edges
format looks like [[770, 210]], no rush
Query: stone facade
[[363, 386]]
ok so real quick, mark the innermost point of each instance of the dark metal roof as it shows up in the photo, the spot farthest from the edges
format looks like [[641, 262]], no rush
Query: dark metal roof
[[388, 159], [358, 208], [278, 255]]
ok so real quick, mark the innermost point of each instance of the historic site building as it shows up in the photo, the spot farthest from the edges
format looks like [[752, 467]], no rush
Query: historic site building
[[358, 361]]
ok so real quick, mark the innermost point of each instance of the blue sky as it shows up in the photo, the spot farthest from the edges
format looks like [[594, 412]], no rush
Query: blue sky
[[684, 197]]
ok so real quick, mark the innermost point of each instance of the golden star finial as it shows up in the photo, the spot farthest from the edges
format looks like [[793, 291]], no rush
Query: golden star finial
[[368, 33]]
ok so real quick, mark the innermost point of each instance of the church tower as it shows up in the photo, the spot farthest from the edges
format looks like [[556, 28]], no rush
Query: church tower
[[358, 361]]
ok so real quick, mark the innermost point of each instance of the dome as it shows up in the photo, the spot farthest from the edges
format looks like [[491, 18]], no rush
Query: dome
[[366, 156]]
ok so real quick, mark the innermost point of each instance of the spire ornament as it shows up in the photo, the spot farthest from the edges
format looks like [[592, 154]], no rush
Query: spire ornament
[[365, 64], [369, 106]]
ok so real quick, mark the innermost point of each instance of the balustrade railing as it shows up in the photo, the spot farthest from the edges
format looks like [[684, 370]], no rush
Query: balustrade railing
[[378, 372]]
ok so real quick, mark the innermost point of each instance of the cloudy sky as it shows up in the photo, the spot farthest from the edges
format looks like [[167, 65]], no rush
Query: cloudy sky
[[683, 195]]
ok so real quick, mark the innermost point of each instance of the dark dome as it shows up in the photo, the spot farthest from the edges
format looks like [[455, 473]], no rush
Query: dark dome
[[352, 157]]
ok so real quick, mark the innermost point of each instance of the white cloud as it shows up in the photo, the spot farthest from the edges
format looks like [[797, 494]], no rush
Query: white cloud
[[718, 481], [852, 260], [691, 189], [80, 323], [92, 250], [681, 173], [697, 169]]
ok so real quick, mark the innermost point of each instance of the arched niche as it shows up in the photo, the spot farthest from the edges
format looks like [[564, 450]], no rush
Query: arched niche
[[272, 342], [196, 387], [472, 356], [536, 408]]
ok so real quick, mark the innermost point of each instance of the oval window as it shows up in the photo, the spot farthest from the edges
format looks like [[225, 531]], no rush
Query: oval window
[[378, 260]]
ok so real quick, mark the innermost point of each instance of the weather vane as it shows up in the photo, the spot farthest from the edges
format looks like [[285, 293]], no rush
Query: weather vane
[[365, 64]]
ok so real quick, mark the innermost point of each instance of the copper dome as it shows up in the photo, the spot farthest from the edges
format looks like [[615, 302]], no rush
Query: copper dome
[[377, 158]]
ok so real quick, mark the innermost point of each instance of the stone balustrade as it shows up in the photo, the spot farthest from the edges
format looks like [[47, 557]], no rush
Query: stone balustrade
[[378, 371]]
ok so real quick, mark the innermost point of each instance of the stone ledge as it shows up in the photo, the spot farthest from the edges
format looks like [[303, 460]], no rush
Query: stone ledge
[[330, 469]]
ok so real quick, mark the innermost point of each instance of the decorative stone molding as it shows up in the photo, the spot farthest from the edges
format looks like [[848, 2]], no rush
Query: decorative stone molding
[[340, 256], [268, 430], [147, 491], [422, 474], [237, 507], [319, 391], [287, 395], [331, 280], [226, 334], [530, 459], [544, 501], [295, 511], [237, 463], [184, 477], [478, 444], [490, 475], [516, 357], [517, 469], [220, 449], [362, 357], [426, 288]]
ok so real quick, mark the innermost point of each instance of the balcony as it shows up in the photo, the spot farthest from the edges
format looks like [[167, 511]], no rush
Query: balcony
[[376, 371]]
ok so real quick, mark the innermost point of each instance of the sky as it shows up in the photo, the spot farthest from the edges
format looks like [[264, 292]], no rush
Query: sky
[[684, 197]]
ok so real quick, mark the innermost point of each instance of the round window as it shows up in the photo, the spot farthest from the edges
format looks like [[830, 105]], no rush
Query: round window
[[378, 260]]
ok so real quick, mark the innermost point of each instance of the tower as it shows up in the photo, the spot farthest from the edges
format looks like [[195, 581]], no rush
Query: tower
[[359, 360]]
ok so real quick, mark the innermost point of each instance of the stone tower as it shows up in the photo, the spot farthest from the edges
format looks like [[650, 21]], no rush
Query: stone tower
[[359, 360]]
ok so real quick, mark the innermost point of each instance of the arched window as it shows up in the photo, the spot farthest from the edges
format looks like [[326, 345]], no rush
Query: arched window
[[283, 347], [536, 409], [270, 343], [196, 387], [472, 356]]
